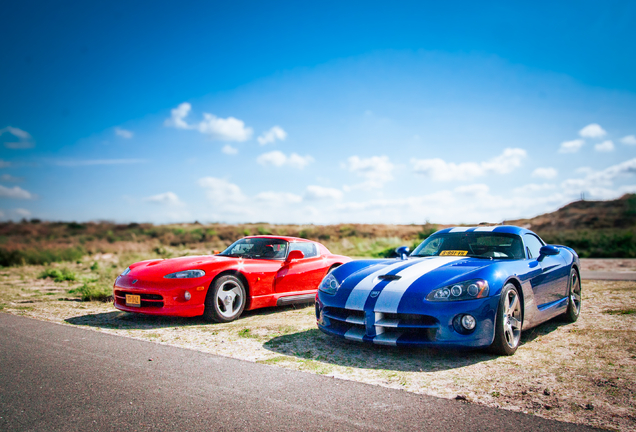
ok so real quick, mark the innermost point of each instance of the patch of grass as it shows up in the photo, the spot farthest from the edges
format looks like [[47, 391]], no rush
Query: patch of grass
[[93, 292], [58, 275], [274, 360], [2, 305], [621, 312], [247, 333], [314, 366], [95, 266]]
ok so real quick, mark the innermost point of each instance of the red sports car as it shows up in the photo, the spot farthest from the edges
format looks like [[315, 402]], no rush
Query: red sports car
[[254, 272]]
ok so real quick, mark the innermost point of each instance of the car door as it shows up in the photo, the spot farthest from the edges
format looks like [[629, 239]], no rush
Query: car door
[[303, 274], [549, 281]]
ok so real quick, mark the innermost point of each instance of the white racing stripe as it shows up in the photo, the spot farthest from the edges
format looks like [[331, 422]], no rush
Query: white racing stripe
[[459, 229], [485, 229], [358, 296], [391, 294]]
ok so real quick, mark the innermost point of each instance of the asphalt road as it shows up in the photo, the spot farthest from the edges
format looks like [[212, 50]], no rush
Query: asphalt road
[[58, 377]]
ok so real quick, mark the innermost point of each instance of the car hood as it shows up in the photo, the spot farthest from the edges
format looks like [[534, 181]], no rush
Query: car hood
[[422, 274], [162, 267]]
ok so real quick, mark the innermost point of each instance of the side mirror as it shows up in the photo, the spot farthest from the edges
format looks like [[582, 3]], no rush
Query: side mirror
[[548, 250], [403, 252], [294, 255]]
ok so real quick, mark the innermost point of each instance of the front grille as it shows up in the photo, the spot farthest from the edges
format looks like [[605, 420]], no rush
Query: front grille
[[385, 325], [147, 300]]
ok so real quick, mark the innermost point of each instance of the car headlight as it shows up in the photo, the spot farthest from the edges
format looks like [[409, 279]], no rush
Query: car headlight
[[469, 290], [329, 284], [125, 272], [186, 274]]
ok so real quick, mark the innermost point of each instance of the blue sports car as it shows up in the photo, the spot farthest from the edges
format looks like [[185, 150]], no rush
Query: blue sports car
[[462, 287]]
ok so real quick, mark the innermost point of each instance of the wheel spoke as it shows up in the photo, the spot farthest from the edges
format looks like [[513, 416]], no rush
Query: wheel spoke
[[515, 323], [510, 337], [514, 305]]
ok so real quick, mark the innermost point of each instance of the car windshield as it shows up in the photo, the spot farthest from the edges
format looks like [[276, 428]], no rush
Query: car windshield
[[261, 248], [473, 244]]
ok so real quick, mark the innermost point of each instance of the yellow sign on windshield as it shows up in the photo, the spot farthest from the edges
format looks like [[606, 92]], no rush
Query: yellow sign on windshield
[[452, 253]]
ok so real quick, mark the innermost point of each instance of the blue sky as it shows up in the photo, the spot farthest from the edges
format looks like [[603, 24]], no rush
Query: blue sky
[[294, 113]]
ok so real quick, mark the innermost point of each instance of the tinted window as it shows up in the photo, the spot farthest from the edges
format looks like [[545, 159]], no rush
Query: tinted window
[[533, 244], [472, 244], [308, 249], [261, 248]]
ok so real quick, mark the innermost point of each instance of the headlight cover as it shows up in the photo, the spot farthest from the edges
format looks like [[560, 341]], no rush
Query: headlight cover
[[469, 290], [125, 272], [329, 284], [186, 274]]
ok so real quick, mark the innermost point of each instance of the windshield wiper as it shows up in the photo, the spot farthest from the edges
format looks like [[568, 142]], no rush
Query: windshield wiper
[[480, 256]]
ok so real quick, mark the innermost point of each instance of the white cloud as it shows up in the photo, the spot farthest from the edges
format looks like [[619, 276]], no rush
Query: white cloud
[[593, 130], [629, 140], [275, 133], [4, 164], [166, 198], [229, 150], [605, 146], [25, 140], [571, 146], [279, 198], [599, 184], [473, 189], [10, 179], [14, 193], [279, 159], [23, 213], [91, 162], [123, 133], [533, 187], [546, 173], [228, 129], [221, 191], [376, 170], [440, 170], [320, 193]]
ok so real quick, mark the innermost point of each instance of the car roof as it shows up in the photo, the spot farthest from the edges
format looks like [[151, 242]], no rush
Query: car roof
[[286, 238], [503, 229]]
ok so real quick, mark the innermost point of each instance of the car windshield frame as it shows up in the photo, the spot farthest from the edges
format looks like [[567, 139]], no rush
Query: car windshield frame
[[486, 251], [258, 250]]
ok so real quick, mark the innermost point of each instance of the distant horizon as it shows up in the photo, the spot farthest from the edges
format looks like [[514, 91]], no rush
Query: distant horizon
[[195, 222]]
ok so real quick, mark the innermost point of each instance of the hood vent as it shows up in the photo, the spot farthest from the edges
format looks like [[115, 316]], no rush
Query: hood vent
[[389, 277]]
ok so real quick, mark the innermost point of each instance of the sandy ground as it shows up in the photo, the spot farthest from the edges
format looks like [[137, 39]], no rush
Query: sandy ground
[[583, 372]]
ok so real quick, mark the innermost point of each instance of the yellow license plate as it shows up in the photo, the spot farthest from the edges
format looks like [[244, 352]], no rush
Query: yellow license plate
[[452, 253], [133, 300]]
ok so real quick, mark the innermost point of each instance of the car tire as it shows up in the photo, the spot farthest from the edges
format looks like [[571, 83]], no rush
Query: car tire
[[574, 298], [225, 300], [508, 322]]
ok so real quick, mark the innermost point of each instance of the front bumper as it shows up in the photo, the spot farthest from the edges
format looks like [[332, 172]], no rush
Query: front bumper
[[427, 324], [162, 298]]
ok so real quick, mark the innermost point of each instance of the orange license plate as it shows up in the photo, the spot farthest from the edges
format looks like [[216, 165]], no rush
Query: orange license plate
[[133, 300]]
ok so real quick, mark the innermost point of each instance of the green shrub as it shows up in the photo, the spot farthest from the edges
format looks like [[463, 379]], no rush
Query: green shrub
[[39, 256], [599, 243], [95, 266], [94, 292], [58, 275]]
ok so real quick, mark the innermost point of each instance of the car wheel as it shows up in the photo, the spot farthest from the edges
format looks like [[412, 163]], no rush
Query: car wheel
[[574, 298], [225, 300], [508, 322]]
